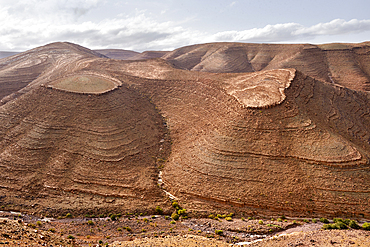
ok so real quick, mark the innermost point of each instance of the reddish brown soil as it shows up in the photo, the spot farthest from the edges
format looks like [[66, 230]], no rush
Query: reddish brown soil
[[131, 55], [343, 64], [305, 154], [131, 230]]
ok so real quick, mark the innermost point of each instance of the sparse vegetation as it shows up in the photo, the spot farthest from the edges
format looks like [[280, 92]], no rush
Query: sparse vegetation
[[175, 204], [366, 226], [159, 210], [113, 217], [32, 225], [353, 224], [324, 220], [175, 216]]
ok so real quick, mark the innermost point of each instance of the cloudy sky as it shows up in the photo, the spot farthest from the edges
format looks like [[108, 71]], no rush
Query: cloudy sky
[[168, 24]]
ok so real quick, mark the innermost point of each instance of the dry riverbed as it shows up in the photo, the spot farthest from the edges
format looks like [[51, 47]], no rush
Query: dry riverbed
[[160, 230]]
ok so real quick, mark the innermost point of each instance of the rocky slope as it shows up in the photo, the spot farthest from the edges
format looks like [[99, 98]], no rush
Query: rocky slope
[[84, 132]]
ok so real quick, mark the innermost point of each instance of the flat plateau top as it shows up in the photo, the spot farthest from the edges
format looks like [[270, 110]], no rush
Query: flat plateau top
[[88, 84]]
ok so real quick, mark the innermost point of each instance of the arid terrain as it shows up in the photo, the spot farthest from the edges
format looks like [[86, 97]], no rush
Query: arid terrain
[[258, 130]]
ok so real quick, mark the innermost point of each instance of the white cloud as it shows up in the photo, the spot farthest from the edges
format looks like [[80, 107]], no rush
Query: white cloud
[[335, 27], [25, 24], [293, 31], [269, 33]]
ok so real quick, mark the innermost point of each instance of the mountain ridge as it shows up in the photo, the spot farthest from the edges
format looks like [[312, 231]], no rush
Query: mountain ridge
[[84, 132]]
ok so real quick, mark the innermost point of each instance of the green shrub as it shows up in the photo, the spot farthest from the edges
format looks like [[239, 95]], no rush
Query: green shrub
[[181, 211], [306, 221], [324, 220], [260, 222], [230, 215], [68, 215], [219, 232], [70, 237], [172, 222], [158, 210], [279, 220], [366, 226], [211, 216], [336, 220], [314, 220], [113, 217], [52, 230], [353, 224], [145, 220], [327, 226], [31, 225], [228, 219], [90, 222], [175, 216], [128, 228], [119, 229], [341, 225], [39, 223], [166, 217], [175, 204], [242, 219]]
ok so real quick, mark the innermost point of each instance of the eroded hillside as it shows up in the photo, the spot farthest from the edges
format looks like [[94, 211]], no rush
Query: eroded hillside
[[344, 64], [87, 132]]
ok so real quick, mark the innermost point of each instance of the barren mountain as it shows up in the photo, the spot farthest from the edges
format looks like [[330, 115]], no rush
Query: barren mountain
[[7, 54], [75, 138], [131, 55], [343, 64], [85, 132]]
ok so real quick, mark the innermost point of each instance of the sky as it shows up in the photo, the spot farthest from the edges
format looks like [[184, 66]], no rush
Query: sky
[[142, 25]]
